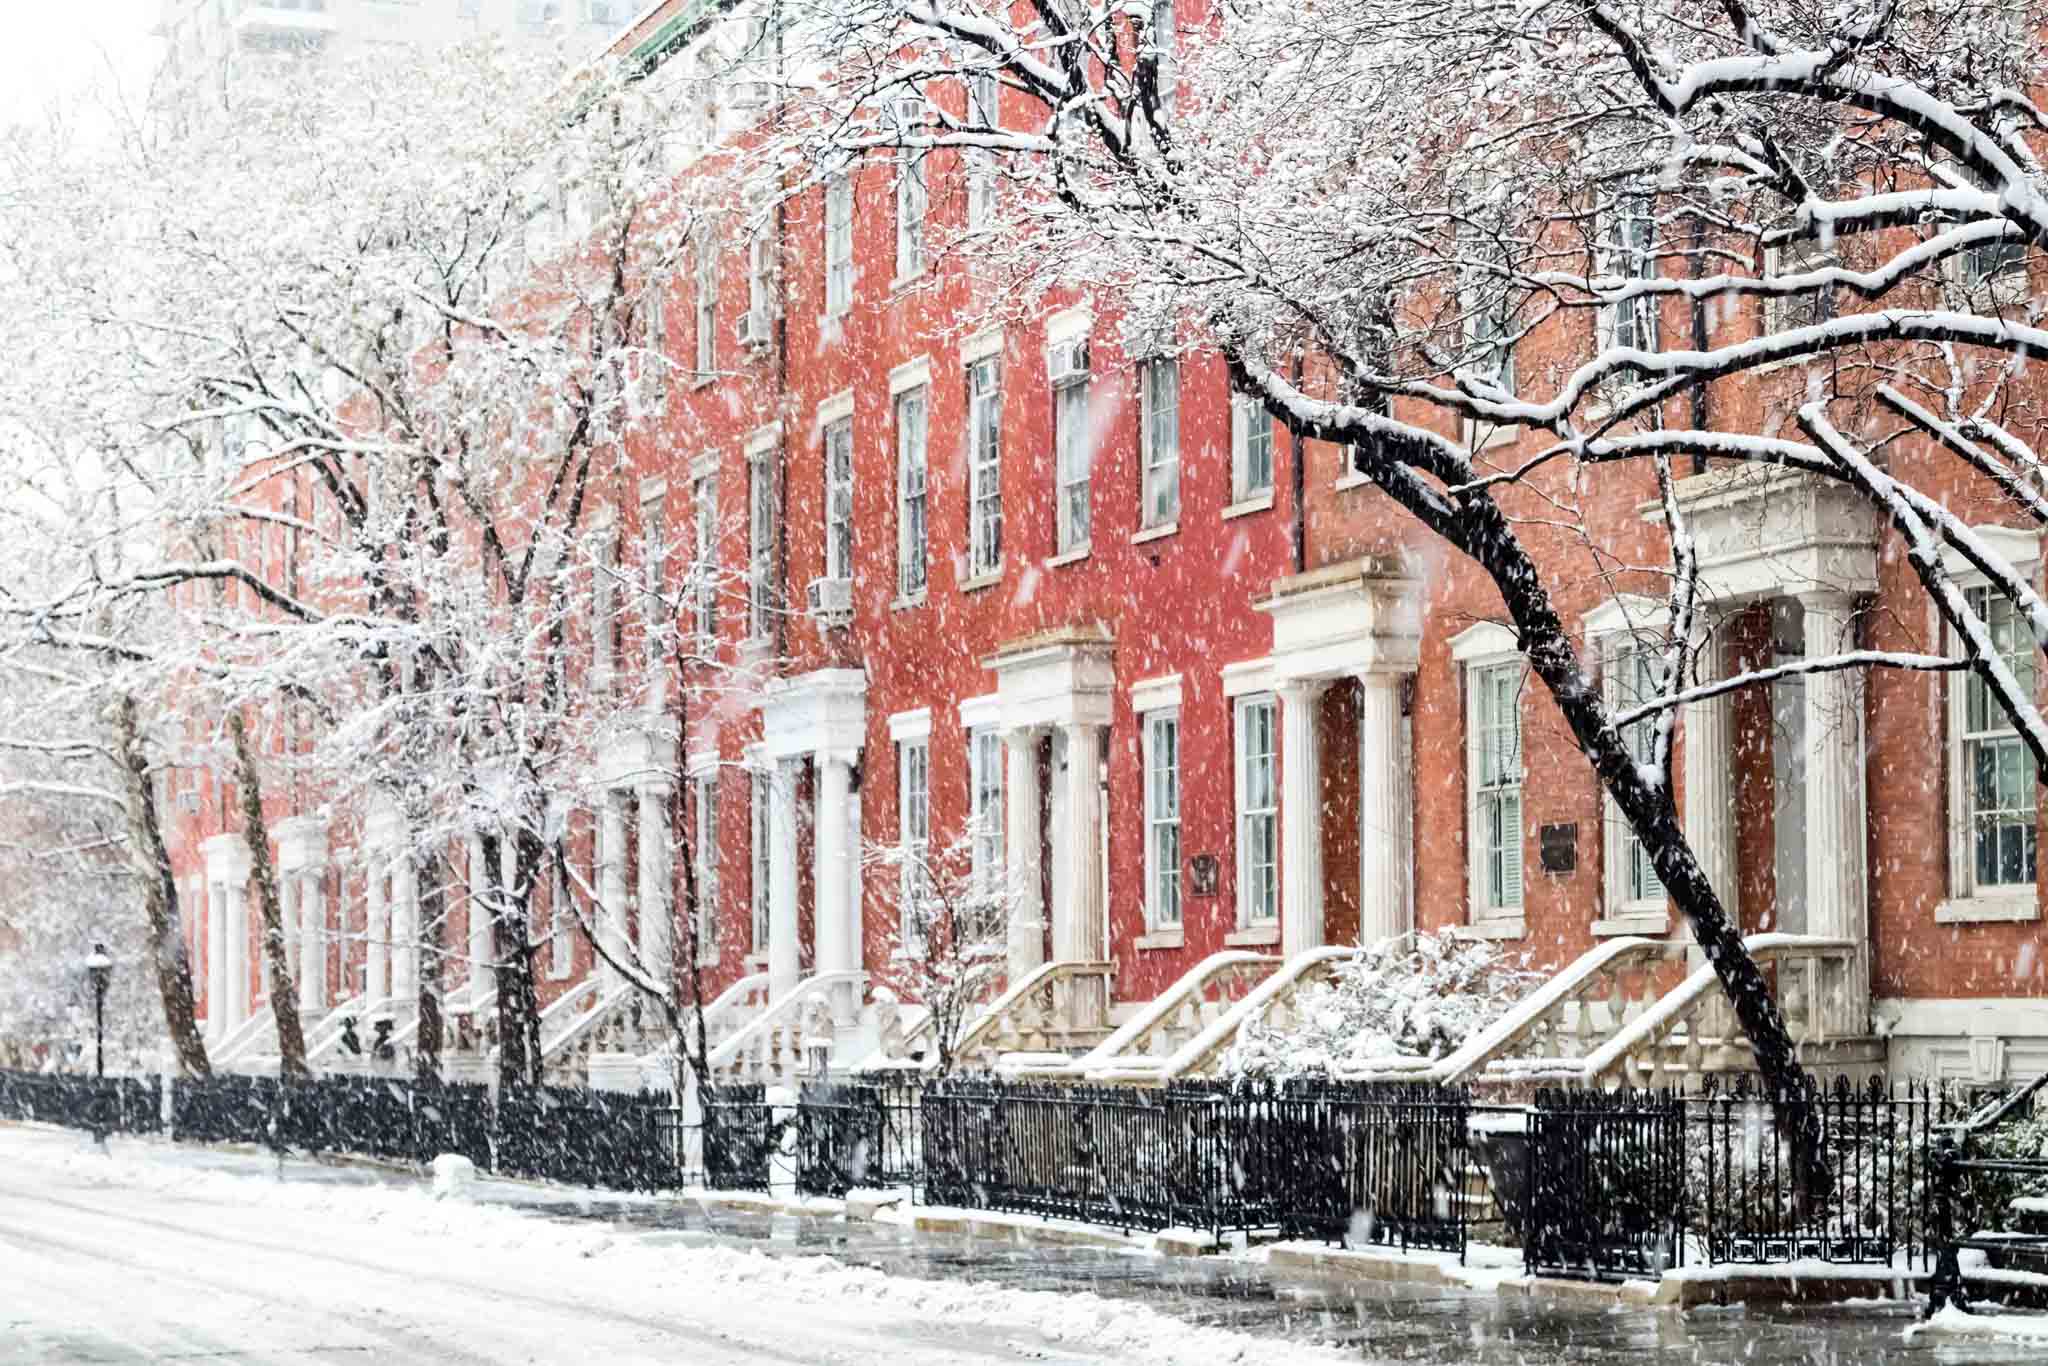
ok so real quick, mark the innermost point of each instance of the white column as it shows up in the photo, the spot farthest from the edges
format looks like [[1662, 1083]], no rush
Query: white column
[[216, 960], [377, 933], [1077, 922], [287, 919], [1025, 932], [784, 965], [1301, 818], [1385, 824], [1836, 826], [611, 884], [312, 945], [481, 899], [405, 930], [657, 900], [1710, 780], [238, 953], [831, 871]]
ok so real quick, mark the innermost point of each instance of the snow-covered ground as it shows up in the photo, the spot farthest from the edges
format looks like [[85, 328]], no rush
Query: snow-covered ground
[[141, 1256]]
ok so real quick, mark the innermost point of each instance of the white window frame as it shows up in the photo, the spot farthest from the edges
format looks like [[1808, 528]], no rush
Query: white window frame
[[1165, 44], [1073, 444], [761, 281], [1251, 433], [1159, 442], [1628, 252], [984, 109], [654, 366], [1785, 312], [561, 926], [762, 601], [1488, 322], [1968, 900], [913, 417], [838, 244], [704, 790], [984, 467], [704, 505], [1258, 809], [838, 461], [707, 304], [913, 836], [913, 205], [1165, 898], [603, 608], [654, 558], [1619, 633], [759, 794], [985, 807], [1480, 648]]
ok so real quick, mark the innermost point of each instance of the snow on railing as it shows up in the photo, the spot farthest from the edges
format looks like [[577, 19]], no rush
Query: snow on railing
[[1274, 996], [1034, 1016], [770, 1046], [325, 1036], [1179, 1013], [241, 1041]]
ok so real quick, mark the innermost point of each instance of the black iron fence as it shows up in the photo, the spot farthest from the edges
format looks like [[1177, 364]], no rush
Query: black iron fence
[[1604, 1193], [106, 1104], [1982, 1162], [855, 1134]]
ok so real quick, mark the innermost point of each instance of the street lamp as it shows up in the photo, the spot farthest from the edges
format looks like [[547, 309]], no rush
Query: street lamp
[[98, 969]]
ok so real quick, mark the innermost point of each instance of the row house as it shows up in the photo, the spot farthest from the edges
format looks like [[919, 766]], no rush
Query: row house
[[1210, 704]]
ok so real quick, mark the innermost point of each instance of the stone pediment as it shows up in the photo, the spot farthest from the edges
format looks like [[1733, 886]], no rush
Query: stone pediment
[[1764, 531]]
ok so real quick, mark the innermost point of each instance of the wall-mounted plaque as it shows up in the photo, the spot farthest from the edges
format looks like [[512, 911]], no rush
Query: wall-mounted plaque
[[1203, 873], [1557, 847]]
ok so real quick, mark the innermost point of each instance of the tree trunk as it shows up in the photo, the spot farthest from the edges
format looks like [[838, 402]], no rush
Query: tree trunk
[[284, 997], [519, 1060], [427, 1040], [159, 896]]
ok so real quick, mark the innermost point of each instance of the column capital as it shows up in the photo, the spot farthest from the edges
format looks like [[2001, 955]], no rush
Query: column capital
[[1023, 736], [1295, 691], [1824, 599]]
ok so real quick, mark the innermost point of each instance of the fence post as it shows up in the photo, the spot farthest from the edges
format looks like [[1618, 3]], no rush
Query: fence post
[[1946, 1286]]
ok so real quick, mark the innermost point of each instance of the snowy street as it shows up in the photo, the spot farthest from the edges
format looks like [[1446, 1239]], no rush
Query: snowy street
[[160, 1253]]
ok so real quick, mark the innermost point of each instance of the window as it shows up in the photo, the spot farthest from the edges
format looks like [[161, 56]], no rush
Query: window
[[1074, 460], [611, 13], [1628, 254], [1164, 38], [911, 513], [705, 500], [984, 468], [603, 617], [761, 595], [538, 11], [1995, 775], [1633, 887], [757, 884], [1258, 811], [654, 553], [839, 499], [985, 788], [912, 198], [760, 287], [1782, 313], [1162, 819], [654, 365], [913, 793], [707, 303], [838, 244], [1489, 312], [1493, 736], [706, 794], [466, 9], [1159, 420], [561, 926], [1995, 260], [984, 110], [1251, 448]]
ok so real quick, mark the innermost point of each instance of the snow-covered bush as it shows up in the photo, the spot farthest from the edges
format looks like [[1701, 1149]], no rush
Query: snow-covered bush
[[1419, 995]]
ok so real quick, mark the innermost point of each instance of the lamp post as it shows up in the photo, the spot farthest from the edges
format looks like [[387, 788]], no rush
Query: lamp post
[[98, 969]]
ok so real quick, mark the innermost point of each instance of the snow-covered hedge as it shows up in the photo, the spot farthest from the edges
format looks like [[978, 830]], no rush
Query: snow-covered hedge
[[1420, 995]]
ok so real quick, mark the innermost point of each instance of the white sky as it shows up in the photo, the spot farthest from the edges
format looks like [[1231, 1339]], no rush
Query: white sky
[[54, 49]]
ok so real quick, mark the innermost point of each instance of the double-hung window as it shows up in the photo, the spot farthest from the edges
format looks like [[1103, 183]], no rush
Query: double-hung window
[[1251, 448], [1993, 777], [761, 595], [912, 514], [654, 364], [760, 287], [984, 467], [1629, 257], [983, 111], [1489, 310], [1159, 421], [603, 611], [704, 588], [706, 793], [985, 785], [838, 244], [758, 797], [1162, 819], [653, 555], [1809, 308], [912, 199], [839, 499], [1258, 811], [1633, 887], [1494, 704], [1074, 456], [914, 816], [561, 925], [707, 303]]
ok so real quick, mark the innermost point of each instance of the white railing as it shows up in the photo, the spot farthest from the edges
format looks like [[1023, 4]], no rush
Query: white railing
[[1180, 1013], [325, 1036], [1035, 1016], [1272, 1000], [243, 1040], [770, 1047]]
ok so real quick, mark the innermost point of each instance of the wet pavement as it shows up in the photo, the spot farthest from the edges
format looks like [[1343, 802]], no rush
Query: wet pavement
[[1386, 1321]]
